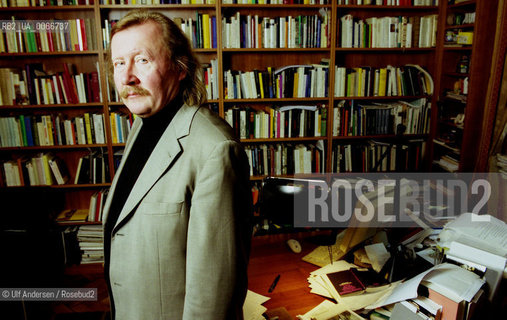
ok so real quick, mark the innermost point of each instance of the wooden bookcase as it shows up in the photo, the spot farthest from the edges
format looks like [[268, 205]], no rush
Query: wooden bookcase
[[438, 60], [460, 138]]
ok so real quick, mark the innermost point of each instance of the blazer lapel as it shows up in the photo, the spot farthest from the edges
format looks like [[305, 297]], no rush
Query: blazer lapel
[[163, 155]]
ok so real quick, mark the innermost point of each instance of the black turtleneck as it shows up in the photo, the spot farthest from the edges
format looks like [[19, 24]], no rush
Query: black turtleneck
[[152, 129]]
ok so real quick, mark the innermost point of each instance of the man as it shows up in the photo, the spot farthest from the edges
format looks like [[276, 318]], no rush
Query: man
[[177, 219]]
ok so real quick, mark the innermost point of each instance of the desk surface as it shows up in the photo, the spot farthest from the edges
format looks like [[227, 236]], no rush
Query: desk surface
[[270, 256]]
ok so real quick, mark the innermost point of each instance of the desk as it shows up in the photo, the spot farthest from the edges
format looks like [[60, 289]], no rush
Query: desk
[[270, 256]]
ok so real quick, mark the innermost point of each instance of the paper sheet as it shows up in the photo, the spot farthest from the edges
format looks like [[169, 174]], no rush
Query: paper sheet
[[318, 285], [252, 308], [483, 231], [458, 283], [406, 290], [378, 255], [327, 310]]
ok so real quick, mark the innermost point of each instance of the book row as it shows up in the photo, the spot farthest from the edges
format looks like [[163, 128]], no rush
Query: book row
[[52, 130], [42, 169], [121, 124], [296, 81], [211, 79], [92, 168], [252, 31], [376, 156], [409, 80], [37, 3], [362, 119], [278, 122], [286, 159], [202, 31], [388, 32], [44, 3], [60, 36], [33, 86], [95, 209], [275, 1], [147, 2], [389, 2]]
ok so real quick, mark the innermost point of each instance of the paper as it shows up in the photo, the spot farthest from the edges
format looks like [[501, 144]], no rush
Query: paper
[[455, 282], [494, 264], [428, 254], [327, 310], [368, 298], [252, 308], [320, 256], [482, 231], [318, 285], [407, 289], [378, 255]]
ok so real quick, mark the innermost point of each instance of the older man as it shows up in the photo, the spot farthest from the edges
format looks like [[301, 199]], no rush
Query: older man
[[177, 219]]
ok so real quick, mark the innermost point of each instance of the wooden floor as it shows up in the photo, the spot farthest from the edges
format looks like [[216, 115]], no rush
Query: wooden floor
[[270, 256]]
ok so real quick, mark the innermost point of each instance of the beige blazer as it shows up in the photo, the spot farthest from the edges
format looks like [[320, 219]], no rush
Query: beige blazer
[[180, 246]]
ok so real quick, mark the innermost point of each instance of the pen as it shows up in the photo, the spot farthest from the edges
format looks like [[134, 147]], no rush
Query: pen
[[273, 285]]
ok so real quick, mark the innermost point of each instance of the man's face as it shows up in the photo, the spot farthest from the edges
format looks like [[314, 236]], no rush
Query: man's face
[[142, 73]]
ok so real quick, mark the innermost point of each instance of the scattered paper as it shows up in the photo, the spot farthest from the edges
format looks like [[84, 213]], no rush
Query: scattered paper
[[408, 289], [481, 231], [378, 255], [318, 285], [252, 308], [327, 310], [320, 256]]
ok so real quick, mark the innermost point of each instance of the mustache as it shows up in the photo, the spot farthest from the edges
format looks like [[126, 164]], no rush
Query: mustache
[[133, 90]]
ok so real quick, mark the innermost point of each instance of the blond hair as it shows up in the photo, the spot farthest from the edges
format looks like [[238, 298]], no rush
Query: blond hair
[[179, 50]]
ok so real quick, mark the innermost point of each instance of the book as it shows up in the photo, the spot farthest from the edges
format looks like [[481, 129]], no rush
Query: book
[[59, 170], [354, 280], [72, 216]]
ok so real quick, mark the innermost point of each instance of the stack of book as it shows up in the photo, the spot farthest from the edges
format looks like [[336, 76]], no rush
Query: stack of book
[[91, 243], [43, 169]]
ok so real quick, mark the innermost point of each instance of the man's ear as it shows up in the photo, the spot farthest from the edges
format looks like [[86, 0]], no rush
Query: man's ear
[[182, 75], [181, 67]]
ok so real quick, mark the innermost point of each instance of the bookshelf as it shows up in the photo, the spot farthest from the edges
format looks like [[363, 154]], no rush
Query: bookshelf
[[338, 124], [463, 74]]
